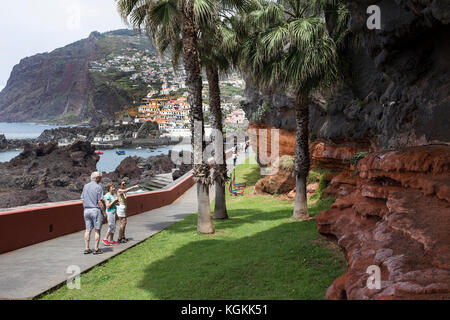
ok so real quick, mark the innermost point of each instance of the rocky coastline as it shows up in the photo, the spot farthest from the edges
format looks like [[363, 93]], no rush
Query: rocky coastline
[[45, 172], [129, 135]]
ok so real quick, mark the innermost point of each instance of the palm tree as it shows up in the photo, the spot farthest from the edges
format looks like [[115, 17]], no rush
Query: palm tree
[[286, 43], [213, 59], [137, 13], [164, 25]]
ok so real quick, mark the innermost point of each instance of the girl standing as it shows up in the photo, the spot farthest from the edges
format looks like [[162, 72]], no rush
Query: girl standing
[[111, 208], [122, 209]]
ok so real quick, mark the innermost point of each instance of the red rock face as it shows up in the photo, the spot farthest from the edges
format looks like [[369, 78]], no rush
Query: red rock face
[[286, 139], [335, 157], [395, 215]]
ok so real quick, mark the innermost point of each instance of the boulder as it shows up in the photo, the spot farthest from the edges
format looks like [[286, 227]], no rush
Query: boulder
[[61, 172], [24, 197], [3, 142], [129, 168]]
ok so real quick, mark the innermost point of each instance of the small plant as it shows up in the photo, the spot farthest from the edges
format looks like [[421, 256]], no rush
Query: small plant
[[355, 159], [286, 162], [262, 110]]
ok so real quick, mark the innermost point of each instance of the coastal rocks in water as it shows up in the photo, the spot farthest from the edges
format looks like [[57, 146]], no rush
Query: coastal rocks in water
[[129, 168], [138, 170], [61, 172], [147, 129], [396, 218], [22, 198], [3, 142]]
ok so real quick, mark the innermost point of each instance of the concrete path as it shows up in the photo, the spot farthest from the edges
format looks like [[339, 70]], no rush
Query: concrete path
[[30, 271]]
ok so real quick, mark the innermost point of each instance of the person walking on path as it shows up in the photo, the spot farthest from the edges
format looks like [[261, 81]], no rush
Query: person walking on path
[[234, 157], [122, 209], [111, 208], [94, 211]]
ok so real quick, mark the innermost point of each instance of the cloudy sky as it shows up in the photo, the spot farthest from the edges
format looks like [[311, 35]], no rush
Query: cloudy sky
[[28, 27]]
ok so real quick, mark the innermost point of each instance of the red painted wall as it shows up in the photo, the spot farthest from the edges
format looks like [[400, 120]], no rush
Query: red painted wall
[[24, 227]]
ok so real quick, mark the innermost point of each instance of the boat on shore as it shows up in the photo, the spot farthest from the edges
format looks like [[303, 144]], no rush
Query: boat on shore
[[120, 152], [99, 152]]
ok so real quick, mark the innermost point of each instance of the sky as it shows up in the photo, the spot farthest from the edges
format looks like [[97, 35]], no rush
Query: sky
[[28, 27]]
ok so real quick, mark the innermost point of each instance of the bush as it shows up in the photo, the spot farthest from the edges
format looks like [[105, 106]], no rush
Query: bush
[[355, 159]]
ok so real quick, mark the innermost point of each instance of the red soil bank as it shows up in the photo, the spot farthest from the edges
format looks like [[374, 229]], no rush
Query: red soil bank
[[394, 214]]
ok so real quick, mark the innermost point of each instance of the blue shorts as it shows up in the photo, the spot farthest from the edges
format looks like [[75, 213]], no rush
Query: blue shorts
[[93, 218]]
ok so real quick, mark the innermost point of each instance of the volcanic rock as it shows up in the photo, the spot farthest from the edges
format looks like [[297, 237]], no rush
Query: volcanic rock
[[22, 198], [3, 142], [397, 218], [60, 172]]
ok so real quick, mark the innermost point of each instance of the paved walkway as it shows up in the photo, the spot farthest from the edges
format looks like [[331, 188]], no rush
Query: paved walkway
[[30, 271]]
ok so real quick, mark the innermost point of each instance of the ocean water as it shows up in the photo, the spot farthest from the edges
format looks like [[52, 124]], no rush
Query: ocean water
[[24, 130], [5, 156], [109, 160]]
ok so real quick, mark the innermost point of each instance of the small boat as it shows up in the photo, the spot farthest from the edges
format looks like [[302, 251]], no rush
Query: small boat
[[120, 152], [98, 152], [139, 148]]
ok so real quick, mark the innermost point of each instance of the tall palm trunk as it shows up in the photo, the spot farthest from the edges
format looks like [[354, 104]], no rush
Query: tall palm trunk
[[220, 166], [194, 84], [301, 163]]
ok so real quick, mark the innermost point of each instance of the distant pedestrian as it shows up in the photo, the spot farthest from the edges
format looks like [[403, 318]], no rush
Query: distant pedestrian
[[94, 211], [122, 209], [247, 145], [234, 157], [111, 207]]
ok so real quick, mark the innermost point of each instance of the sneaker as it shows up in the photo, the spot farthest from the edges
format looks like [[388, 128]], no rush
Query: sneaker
[[106, 242], [114, 243], [122, 240]]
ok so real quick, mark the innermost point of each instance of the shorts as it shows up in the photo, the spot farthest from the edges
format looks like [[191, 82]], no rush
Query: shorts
[[111, 222], [122, 211], [93, 218]]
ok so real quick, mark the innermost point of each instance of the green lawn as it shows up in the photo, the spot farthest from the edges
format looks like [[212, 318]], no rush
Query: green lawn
[[260, 253]]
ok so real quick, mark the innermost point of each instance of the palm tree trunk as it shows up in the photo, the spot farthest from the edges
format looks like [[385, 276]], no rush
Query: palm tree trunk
[[194, 84], [301, 163], [220, 166]]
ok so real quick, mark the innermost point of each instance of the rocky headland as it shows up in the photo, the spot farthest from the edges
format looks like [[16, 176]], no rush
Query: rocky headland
[[59, 86]]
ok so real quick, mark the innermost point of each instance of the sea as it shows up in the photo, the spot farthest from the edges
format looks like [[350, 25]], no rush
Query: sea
[[109, 160]]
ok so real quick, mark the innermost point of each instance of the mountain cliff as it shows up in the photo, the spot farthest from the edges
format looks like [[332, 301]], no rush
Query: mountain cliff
[[384, 138], [61, 86]]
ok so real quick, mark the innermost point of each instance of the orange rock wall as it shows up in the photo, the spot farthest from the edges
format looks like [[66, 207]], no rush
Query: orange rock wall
[[395, 214]]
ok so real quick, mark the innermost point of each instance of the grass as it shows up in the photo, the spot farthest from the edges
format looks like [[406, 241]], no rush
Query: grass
[[260, 253]]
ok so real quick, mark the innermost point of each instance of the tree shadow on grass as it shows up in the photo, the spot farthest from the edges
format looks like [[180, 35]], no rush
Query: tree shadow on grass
[[283, 262]]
